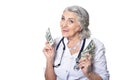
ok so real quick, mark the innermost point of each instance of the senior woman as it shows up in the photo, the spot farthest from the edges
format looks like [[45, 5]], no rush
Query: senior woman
[[64, 60]]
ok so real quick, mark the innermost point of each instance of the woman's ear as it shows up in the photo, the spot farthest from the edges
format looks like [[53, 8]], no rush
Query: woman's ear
[[80, 29]]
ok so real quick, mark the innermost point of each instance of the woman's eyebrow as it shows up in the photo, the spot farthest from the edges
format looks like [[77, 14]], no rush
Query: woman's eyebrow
[[71, 18]]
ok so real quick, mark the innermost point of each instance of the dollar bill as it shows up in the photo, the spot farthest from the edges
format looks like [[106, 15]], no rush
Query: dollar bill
[[89, 49], [49, 37]]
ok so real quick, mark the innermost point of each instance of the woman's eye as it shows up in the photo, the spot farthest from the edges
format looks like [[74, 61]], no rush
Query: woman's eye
[[71, 21], [62, 18]]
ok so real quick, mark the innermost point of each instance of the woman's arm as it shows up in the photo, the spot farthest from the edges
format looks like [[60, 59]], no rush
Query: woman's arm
[[97, 69], [49, 53], [49, 72]]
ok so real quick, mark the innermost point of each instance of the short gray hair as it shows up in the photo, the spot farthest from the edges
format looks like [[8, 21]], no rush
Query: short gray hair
[[83, 18]]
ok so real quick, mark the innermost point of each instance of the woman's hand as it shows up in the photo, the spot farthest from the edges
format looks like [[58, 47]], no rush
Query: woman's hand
[[85, 64], [49, 51]]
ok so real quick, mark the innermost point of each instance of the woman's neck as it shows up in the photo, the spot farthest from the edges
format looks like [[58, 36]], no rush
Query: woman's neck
[[74, 39], [74, 44]]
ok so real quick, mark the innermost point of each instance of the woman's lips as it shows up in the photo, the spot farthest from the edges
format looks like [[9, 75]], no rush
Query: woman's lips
[[64, 30]]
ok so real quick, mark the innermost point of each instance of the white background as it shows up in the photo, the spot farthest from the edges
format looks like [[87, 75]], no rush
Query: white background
[[23, 24]]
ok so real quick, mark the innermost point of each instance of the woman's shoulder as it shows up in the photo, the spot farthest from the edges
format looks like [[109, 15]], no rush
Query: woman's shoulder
[[96, 41], [57, 40]]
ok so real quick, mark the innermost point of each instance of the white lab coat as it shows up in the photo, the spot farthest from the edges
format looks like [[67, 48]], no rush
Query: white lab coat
[[66, 70]]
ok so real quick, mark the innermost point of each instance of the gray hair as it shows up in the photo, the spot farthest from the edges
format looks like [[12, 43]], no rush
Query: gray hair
[[83, 18]]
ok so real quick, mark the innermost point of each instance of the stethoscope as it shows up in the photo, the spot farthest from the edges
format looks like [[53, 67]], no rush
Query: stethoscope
[[76, 67]]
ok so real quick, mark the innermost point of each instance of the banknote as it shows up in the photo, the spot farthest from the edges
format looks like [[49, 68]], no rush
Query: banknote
[[49, 37], [89, 49]]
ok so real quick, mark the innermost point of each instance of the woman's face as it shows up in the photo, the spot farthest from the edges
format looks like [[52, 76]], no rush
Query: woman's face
[[70, 27]]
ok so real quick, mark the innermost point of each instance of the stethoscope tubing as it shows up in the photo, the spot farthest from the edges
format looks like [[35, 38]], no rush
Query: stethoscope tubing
[[64, 47]]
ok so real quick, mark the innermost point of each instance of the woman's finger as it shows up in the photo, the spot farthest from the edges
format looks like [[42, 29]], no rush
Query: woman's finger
[[82, 60]]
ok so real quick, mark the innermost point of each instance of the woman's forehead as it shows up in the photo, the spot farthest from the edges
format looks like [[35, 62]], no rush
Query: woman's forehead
[[69, 14]]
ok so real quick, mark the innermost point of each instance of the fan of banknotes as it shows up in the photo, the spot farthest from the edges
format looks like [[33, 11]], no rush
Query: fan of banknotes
[[89, 49], [49, 37]]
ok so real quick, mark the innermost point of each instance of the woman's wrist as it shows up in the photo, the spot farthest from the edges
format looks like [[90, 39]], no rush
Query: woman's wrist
[[93, 76], [89, 74], [50, 61]]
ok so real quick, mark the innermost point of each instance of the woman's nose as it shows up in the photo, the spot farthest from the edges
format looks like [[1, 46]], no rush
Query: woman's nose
[[65, 24]]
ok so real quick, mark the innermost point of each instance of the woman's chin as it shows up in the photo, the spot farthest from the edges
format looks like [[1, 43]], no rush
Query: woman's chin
[[64, 35]]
